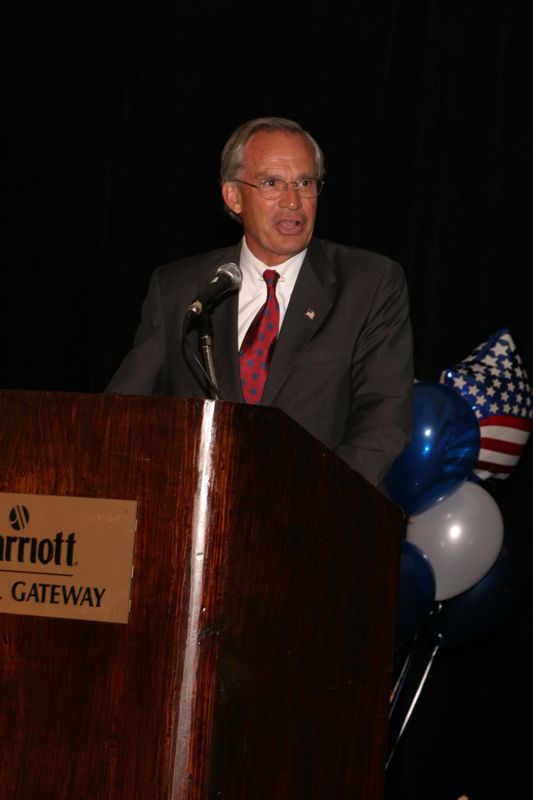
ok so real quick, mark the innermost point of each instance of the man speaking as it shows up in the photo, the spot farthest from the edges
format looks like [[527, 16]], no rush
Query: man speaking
[[317, 329]]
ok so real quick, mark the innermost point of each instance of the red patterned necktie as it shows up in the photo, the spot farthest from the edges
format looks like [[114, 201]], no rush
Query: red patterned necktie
[[259, 342]]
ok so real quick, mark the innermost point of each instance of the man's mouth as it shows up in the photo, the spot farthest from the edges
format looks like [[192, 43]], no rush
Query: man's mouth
[[289, 225]]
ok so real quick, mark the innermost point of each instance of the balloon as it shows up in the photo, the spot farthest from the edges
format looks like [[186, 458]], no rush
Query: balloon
[[442, 453], [416, 592], [462, 537], [493, 381], [491, 602]]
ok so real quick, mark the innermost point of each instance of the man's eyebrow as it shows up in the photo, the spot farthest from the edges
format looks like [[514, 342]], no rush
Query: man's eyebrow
[[267, 174]]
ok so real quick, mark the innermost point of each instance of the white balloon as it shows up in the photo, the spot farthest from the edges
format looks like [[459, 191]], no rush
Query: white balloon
[[462, 537]]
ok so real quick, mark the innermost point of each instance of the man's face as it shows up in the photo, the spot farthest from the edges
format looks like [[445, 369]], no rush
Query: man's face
[[277, 229]]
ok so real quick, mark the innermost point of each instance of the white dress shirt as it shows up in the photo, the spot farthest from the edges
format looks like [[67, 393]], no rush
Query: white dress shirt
[[252, 295]]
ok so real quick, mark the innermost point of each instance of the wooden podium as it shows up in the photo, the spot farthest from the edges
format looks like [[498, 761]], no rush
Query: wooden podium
[[256, 660]]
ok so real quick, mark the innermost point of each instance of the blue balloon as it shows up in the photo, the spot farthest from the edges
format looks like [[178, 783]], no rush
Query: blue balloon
[[492, 602], [416, 592], [443, 450]]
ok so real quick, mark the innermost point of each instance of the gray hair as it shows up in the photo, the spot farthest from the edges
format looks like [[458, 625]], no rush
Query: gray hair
[[232, 157]]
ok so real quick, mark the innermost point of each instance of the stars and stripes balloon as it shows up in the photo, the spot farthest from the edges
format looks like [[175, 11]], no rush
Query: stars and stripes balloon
[[494, 383]]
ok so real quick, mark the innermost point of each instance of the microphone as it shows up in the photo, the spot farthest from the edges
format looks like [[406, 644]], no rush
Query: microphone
[[227, 278]]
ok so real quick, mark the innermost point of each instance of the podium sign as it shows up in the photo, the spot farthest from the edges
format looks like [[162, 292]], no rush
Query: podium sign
[[69, 557]]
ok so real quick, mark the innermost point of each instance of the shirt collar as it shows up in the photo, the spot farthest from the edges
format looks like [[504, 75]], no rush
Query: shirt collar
[[253, 268]]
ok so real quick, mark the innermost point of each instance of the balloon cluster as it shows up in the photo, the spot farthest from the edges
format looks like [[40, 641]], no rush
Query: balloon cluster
[[468, 429]]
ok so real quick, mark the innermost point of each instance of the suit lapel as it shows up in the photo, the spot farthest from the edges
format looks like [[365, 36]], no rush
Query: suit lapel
[[311, 300]]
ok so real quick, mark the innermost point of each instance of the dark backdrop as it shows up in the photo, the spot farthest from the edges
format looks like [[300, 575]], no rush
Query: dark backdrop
[[116, 112]]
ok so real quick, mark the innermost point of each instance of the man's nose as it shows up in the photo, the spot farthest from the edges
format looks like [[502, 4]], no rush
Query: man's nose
[[291, 197]]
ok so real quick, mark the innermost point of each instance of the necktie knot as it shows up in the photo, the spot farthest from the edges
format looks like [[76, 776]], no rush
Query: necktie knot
[[271, 277]]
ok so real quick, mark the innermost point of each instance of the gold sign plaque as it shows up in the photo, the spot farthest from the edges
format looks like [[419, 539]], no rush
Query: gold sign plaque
[[69, 557]]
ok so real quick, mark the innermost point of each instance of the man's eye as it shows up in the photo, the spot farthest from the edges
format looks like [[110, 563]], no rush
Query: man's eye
[[272, 183], [305, 183]]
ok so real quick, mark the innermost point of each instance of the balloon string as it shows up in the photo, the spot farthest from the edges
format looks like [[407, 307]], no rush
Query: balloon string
[[413, 703], [395, 693]]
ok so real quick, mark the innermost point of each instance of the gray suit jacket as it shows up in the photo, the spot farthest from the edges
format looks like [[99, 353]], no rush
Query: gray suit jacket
[[342, 366]]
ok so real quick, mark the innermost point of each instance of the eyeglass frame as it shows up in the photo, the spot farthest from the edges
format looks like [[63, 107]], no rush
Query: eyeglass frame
[[320, 185]]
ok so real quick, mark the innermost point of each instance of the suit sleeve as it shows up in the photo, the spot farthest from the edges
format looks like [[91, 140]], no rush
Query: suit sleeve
[[143, 370], [379, 425]]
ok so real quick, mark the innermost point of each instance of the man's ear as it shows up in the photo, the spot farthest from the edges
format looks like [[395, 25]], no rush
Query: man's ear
[[232, 196]]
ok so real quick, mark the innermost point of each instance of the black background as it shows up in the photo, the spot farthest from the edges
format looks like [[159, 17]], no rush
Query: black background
[[115, 114]]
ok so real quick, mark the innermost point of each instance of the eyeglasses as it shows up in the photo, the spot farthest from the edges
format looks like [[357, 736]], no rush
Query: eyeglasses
[[272, 188]]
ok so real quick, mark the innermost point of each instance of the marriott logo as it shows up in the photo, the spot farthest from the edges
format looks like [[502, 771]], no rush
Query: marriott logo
[[20, 549]]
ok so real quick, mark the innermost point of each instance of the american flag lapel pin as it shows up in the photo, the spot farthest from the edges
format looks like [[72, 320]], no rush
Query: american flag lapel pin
[[310, 314]]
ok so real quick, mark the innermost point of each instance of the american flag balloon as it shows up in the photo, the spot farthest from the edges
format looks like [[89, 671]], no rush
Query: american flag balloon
[[494, 383]]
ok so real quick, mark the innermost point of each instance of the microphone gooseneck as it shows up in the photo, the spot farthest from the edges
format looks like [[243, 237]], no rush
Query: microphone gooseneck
[[228, 278]]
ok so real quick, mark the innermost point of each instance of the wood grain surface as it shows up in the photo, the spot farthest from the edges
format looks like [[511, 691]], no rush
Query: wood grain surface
[[256, 661]]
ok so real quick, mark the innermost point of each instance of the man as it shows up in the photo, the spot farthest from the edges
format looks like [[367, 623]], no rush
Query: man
[[338, 359]]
